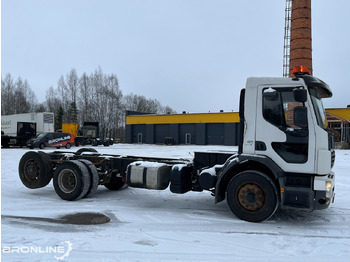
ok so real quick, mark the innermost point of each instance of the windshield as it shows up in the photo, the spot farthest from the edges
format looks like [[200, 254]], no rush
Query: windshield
[[41, 135], [318, 107]]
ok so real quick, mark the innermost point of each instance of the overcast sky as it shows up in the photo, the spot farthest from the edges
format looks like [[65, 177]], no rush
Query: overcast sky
[[193, 55]]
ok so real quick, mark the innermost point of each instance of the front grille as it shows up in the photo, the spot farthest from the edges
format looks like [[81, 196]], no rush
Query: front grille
[[333, 157], [331, 144]]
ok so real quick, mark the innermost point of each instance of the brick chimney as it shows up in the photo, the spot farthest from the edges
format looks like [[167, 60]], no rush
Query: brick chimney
[[300, 36]]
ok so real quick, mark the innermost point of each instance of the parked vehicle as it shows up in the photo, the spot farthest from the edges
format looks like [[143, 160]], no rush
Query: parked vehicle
[[17, 129], [284, 159], [51, 139], [89, 134]]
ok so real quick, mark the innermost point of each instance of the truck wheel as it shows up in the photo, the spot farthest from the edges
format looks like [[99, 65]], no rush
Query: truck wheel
[[68, 145], [71, 180], [252, 196], [115, 184], [94, 178], [81, 150], [77, 142], [35, 170]]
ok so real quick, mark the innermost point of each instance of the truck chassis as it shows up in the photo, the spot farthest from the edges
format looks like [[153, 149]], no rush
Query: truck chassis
[[252, 187]]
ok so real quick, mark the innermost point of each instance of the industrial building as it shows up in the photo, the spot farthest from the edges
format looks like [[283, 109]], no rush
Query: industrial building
[[199, 129]]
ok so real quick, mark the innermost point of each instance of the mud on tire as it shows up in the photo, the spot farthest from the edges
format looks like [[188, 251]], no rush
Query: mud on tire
[[35, 170]]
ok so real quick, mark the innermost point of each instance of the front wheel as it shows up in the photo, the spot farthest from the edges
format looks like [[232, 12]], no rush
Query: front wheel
[[252, 196]]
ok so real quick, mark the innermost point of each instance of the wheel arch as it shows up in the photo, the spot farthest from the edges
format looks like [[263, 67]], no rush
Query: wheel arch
[[261, 164]]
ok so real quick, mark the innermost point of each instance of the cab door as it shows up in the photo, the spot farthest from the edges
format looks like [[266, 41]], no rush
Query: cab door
[[282, 129]]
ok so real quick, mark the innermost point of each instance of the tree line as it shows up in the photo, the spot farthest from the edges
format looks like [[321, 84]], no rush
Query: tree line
[[75, 99]]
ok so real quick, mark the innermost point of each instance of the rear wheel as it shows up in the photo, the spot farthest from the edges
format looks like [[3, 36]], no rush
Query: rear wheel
[[35, 170], [68, 145], [252, 196], [94, 178], [71, 180]]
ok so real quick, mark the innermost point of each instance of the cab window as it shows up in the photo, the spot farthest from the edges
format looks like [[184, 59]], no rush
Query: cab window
[[278, 108]]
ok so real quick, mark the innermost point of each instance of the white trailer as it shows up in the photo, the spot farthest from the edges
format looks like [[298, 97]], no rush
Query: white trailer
[[17, 129]]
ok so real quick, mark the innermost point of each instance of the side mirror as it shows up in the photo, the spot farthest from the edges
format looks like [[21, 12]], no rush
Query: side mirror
[[300, 116], [300, 95]]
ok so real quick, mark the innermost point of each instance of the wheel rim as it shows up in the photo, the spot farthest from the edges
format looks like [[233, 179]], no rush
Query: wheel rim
[[31, 170], [67, 181], [251, 197]]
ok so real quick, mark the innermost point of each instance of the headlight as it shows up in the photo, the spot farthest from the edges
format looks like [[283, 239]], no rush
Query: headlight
[[328, 189]]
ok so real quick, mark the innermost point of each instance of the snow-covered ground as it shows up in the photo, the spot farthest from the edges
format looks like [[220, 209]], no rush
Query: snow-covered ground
[[150, 225]]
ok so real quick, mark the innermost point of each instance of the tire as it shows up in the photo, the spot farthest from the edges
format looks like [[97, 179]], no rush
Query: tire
[[68, 145], [115, 184], [81, 150], [42, 146], [35, 170], [94, 177], [252, 196], [77, 142], [71, 180]]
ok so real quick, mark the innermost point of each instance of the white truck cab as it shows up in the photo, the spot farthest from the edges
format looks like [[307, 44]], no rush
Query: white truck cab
[[284, 141]]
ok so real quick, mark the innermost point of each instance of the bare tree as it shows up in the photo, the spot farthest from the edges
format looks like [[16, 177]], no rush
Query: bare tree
[[72, 85], [85, 98], [142, 104], [24, 98], [62, 95], [17, 97], [115, 109], [7, 95]]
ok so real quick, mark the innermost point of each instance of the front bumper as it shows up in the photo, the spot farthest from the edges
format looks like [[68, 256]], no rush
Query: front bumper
[[307, 191], [32, 144], [324, 190]]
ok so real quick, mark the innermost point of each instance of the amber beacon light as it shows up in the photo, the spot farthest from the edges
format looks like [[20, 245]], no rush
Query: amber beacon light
[[301, 70]]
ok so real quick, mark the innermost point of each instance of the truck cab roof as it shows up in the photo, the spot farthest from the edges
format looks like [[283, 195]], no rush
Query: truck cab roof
[[310, 81]]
